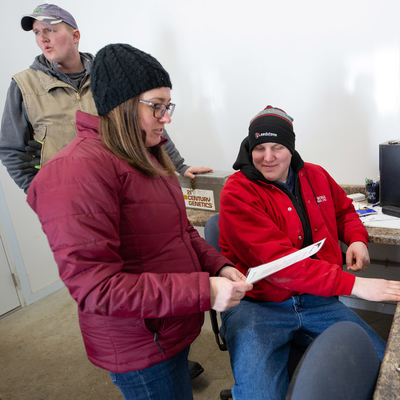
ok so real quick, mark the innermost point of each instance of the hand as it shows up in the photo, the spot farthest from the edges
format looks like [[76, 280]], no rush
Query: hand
[[357, 257], [226, 294], [232, 274], [34, 148], [376, 289], [191, 171], [31, 164], [31, 158]]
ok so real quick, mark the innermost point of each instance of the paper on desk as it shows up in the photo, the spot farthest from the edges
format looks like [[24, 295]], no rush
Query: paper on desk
[[257, 273], [378, 219]]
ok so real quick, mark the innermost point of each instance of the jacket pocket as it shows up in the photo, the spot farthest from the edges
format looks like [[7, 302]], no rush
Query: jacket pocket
[[155, 326], [55, 137]]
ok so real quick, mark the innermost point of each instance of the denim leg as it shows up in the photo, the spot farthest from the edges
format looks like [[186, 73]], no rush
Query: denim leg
[[168, 380], [258, 338], [318, 313]]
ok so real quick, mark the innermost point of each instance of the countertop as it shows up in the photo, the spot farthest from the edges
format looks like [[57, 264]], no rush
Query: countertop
[[388, 385], [376, 235]]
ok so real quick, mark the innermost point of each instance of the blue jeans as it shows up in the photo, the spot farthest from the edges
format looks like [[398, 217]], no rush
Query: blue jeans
[[259, 335], [168, 380]]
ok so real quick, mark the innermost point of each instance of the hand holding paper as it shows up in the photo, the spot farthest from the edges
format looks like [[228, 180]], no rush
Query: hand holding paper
[[257, 273]]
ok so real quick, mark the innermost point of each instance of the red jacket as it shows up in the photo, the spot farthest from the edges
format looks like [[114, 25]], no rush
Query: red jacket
[[259, 223], [126, 251]]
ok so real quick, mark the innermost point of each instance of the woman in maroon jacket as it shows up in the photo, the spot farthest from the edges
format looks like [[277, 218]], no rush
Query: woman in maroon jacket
[[113, 211]]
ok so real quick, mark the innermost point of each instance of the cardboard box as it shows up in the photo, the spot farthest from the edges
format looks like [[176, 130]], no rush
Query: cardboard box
[[203, 192]]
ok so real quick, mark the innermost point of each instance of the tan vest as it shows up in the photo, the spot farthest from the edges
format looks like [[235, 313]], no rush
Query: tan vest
[[51, 106]]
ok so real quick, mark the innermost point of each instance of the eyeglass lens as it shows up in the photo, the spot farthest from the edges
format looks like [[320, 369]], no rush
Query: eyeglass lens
[[159, 110]]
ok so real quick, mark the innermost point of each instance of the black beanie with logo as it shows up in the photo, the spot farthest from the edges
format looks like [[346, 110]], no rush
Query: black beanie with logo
[[120, 72], [272, 125]]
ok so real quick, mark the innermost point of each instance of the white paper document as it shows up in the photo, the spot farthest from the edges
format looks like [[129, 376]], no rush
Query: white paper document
[[257, 273]]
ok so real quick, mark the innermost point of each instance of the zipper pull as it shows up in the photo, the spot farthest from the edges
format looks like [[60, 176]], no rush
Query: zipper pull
[[78, 97], [158, 344]]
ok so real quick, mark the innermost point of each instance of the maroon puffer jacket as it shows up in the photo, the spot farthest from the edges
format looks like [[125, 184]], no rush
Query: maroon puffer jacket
[[126, 251]]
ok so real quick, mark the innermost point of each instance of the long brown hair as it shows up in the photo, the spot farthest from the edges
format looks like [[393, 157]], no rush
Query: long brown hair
[[120, 132]]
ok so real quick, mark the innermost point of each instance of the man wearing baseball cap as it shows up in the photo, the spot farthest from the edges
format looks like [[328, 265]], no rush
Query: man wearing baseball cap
[[39, 113], [34, 131], [49, 14]]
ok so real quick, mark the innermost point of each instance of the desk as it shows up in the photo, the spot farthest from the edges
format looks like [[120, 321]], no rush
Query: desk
[[388, 385]]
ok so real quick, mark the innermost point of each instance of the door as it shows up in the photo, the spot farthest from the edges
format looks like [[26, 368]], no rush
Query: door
[[8, 294]]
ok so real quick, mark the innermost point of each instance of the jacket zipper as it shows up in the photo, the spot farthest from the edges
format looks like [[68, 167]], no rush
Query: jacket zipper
[[180, 219], [297, 202], [156, 341]]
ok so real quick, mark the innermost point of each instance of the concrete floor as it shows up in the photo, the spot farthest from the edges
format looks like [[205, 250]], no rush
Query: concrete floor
[[42, 356]]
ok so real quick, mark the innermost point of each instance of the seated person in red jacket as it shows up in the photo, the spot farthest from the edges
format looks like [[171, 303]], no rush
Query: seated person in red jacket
[[276, 205], [114, 214]]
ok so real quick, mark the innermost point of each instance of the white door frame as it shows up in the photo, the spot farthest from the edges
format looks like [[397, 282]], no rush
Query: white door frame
[[16, 262], [11, 250], [9, 299]]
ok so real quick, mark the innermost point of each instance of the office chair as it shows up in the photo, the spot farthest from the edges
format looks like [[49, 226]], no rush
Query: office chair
[[211, 235], [338, 375]]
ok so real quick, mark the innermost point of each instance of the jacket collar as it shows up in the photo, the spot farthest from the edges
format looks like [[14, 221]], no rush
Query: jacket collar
[[87, 125]]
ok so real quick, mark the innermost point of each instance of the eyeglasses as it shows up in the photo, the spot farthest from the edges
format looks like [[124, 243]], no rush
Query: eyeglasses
[[160, 108]]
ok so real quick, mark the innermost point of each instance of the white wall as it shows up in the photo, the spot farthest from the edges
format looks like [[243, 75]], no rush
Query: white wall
[[333, 66]]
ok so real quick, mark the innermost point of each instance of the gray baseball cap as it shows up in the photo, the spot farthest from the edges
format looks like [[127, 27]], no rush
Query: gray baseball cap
[[48, 14]]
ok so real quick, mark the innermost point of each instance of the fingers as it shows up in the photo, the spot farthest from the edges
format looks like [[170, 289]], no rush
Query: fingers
[[199, 170], [203, 169], [358, 264], [189, 174], [238, 295], [364, 268], [357, 257], [237, 276], [376, 289], [225, 294], [25, 157], [393, 289], [357, 268], [35, 144], [243, 286], [232, 274], [392, 295], [349, 260], [34, 148], [191, 171]]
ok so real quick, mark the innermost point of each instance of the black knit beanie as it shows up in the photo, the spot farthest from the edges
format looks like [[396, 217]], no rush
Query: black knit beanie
[[272, 125], [121, 72]]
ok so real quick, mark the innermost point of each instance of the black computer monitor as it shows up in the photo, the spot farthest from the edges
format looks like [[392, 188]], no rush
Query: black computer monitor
[[389, 169]]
